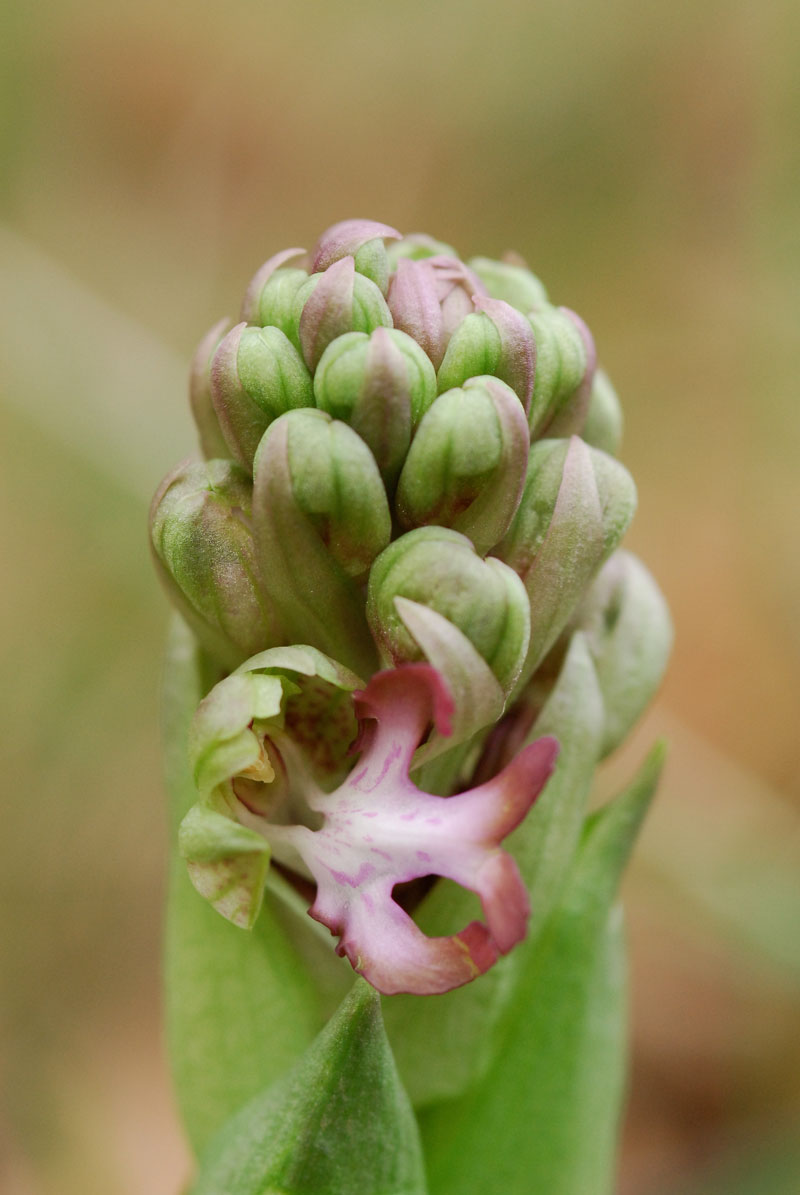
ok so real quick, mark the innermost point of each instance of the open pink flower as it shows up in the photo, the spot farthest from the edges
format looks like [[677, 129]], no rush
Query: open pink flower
[[380, 830]]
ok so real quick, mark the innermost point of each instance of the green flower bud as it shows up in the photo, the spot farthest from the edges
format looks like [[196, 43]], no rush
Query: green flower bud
[[270, 295], [320, 517], [511, 282], [212, 441], [381, 385], [629, 633], [363, 241], [497, 340], [575, 508], [439, 568], [257, 374], [604, 421], [466, 465], [203, 546], [416, 247], [562, 361], [336, 301]]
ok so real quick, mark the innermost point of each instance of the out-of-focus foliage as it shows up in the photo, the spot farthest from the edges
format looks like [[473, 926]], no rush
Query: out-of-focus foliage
[[644, 159]]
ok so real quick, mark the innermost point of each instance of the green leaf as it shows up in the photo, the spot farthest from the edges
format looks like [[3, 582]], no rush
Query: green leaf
[[444, 1045], [545, 1118], [339, 1124], [241, 1008]]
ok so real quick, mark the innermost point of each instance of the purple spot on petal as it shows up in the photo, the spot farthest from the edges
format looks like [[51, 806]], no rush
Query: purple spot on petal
[[365, 872], [423, 856]]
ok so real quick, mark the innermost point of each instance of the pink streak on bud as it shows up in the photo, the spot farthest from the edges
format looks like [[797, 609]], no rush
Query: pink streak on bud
[[518, 348], [414, 303], [346, 238], [260, 280], [456, 287], [381, 830], [328, 310]]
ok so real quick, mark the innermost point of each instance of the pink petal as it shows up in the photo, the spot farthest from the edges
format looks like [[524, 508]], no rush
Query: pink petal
[[380, 830], [414, 304], [346, 238]]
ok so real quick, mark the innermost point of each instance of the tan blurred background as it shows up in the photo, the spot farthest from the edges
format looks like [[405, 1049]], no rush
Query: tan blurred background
[[644, 158]]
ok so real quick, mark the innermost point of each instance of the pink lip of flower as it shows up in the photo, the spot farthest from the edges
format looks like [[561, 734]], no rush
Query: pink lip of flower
[[380, 830]]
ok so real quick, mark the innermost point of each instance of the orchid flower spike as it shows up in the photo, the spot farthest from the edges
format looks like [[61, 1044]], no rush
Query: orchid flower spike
[[410, 506]]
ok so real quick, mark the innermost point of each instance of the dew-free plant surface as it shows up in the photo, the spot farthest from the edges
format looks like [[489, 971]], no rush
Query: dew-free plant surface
[[408, 636]]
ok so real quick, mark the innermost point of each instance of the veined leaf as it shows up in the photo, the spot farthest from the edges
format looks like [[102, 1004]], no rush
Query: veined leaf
[[339, 1124]]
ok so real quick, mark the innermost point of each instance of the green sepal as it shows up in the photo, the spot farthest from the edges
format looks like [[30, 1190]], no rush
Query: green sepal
[[269, 300], [333, 302], [205, 557], [257, 374], [546, 1115], [439, 568], [417, 246], [604, 421], [320, 516], [240, 1008], [220, 740], [227, 863], [473, 349], [381, 385], [561, 362], [629, 631], [513, 283], [575, 508], [466, 465], [212, 442], [444, 1046], [339, 1124]]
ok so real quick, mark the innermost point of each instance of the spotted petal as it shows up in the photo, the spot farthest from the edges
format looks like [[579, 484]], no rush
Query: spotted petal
[[380, 830]]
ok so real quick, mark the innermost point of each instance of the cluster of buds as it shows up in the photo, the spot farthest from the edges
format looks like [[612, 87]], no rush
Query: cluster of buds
[[409, 501]]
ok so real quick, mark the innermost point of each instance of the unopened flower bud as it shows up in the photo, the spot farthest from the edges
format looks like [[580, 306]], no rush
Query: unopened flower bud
[[575, 507], [604, 420], [381, 385], [496, 339], [629, 633], [203, 545], [439, 568], [270, 295], [363, 240], [417, 246], [212, 441], [513, 283], [336, 301], [466, 465], [428, 299], [564, 358], [257, 374], [320, 517]]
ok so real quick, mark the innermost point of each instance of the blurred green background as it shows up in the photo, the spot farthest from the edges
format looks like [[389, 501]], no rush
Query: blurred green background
[[644, 158]]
